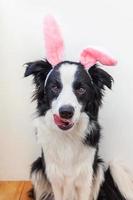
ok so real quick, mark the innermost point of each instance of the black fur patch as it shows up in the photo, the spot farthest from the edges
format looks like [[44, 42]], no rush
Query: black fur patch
[[54, 85], [93, 136], [97, 162], [100, 79], [39, 70], [38, 165], [84, 81], [37, 67], [94, 83], [109, 190], [31, 194]]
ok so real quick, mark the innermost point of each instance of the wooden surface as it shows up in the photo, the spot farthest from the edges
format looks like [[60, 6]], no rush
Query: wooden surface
[[14, 190]]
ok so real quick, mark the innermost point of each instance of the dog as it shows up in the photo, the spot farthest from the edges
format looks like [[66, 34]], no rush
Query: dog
[[68, 99]]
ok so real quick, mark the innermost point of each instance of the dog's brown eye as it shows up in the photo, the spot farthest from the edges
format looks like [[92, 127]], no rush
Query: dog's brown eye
[[55, 89], [80, 91]]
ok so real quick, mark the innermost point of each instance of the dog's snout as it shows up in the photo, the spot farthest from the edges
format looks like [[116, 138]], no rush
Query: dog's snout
[[66, 111]]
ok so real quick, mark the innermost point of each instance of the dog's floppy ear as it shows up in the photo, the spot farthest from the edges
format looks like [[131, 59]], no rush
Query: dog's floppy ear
[[37, 67], [100, 77], [39, 70], [100, 80]]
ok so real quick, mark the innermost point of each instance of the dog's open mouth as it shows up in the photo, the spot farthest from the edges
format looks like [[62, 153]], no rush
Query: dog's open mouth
[[63, 124]]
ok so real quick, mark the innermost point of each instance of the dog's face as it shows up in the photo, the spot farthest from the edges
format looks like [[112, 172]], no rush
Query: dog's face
[[68, 91]]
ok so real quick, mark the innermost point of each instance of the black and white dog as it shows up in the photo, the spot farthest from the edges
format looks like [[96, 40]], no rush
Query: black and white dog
[[68, 101], [69, 95]]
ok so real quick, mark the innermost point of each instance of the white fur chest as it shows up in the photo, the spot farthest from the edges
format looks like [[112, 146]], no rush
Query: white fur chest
[[65, 154]]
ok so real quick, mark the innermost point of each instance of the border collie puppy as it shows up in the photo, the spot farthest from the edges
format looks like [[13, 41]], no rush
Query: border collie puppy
[[68, 99]]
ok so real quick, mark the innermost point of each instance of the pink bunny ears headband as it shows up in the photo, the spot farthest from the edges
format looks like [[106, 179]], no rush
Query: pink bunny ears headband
[[54, 45]]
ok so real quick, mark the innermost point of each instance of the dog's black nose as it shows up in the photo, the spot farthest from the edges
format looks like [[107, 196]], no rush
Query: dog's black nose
[[66, 111]]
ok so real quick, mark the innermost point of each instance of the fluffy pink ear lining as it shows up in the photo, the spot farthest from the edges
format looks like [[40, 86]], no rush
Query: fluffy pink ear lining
[[54, 44], [90, 57]]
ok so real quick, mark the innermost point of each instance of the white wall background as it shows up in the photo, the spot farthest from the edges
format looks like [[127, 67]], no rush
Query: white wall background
[[102, 23]]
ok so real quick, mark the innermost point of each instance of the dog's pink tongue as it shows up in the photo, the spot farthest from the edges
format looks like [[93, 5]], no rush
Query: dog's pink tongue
[[59, 121]]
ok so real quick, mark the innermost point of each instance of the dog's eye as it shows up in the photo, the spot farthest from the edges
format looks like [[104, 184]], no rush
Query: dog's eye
[[80, 91], [55, 88]]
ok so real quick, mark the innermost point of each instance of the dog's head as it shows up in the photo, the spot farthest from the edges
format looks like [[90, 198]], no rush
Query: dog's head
[[67, 91]]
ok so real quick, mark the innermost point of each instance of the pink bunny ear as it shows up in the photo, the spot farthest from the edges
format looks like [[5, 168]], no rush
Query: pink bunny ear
[[53, 41], [90, 57]]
